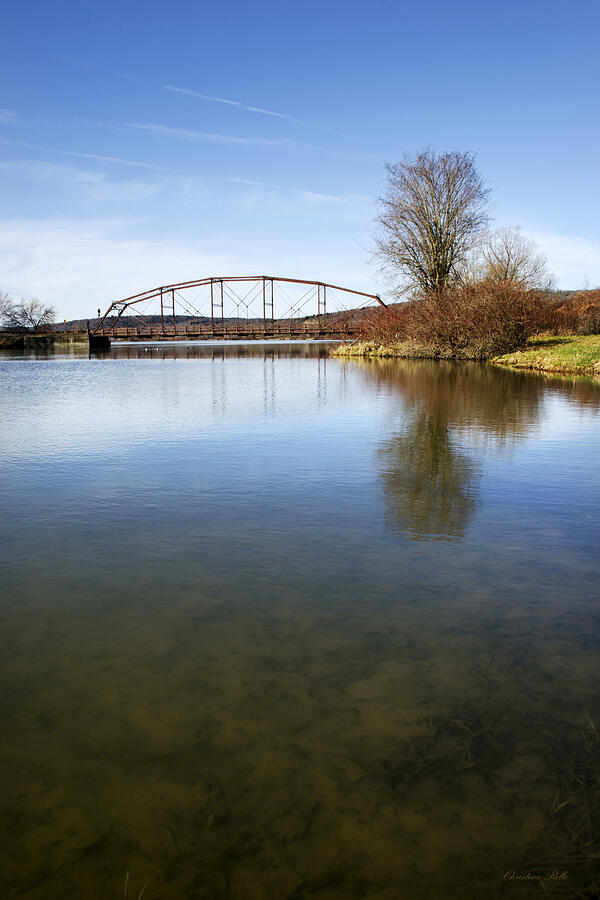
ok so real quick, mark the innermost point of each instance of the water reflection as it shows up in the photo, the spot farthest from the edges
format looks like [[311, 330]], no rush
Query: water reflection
[[215, 350], [497, 401], [472, 397], [164, 350], [429, 485], [429, 469], [224, 676]]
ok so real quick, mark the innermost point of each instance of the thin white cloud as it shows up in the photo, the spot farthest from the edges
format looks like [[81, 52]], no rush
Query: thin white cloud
[[102, 188], [575, 261], [310, 196], [84, 65], [109, 159], [8, 117], [236, 180], [313, 195], [99, 190], [236, 103], [188, 134], [52, 171], [246, 108]]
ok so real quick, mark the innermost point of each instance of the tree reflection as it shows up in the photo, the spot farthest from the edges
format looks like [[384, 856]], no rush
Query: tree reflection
[[431, 485], [477, 399]]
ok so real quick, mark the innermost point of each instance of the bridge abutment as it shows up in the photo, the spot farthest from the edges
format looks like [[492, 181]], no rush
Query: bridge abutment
[[98, 342]]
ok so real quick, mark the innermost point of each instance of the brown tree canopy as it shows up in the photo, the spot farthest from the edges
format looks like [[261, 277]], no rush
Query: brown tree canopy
[[431, 217]]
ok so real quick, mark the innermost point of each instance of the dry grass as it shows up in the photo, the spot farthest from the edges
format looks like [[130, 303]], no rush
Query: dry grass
[[404, 349]]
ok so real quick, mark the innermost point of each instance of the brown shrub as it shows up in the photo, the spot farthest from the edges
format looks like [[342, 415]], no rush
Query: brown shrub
[[475, 321], [386, 326], [580, 314], [481, 319]]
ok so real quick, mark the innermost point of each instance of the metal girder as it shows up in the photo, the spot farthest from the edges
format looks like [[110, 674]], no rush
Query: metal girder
[[118, 307]]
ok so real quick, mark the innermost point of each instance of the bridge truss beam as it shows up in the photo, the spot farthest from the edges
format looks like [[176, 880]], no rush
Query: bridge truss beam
[[245, 293]]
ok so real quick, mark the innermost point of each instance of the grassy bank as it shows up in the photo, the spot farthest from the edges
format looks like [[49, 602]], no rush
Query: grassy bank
[[40, 340], [574, 353], [10, 341], [401, 349], [578, 354]]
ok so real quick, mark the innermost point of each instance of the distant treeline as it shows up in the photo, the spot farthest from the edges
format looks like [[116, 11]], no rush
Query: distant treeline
[[349, 316]]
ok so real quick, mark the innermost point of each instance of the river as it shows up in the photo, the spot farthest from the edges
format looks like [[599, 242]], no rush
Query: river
[[278, 625]]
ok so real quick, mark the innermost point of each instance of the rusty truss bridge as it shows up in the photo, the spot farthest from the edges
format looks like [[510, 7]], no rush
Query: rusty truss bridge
[[240, 307]]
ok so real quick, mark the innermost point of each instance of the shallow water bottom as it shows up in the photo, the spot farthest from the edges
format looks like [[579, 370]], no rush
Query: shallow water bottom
[[293, 628], [227, 748]]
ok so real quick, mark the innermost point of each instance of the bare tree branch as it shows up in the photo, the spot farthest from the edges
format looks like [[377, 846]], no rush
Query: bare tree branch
[[431, 217], [30, 313], [507, 255], [6, 306]]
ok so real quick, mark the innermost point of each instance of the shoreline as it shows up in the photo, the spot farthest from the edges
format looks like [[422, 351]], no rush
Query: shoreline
[[573, 354], [40, 339]]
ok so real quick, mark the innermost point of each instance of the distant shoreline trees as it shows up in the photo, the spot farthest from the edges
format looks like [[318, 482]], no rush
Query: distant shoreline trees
[[27, 313]]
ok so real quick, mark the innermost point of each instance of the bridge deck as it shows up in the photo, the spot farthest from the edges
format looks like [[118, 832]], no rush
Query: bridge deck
[[233, 331]]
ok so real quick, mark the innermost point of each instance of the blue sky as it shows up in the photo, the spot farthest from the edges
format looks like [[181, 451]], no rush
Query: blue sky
[[143, 144]]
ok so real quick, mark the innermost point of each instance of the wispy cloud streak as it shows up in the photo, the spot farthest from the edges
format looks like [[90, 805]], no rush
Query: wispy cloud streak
[[8, 117], [84, 65], [236, 103], [109, 159], [189, 134], [303, 193]]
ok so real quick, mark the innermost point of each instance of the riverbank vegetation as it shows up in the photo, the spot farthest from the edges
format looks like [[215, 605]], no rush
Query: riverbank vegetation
[[557, 353], [500, 321], [471, 293], [476, 320]]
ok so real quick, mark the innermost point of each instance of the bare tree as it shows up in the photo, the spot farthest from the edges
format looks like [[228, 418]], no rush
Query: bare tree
[[507, 255], [30, 313], [6, 306], [431, 217]]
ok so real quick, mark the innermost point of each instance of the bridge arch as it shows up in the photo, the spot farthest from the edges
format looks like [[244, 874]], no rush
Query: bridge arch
[[235, 305]]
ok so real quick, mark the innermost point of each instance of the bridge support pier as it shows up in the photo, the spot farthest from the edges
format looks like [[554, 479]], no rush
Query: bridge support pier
[[98, 342]]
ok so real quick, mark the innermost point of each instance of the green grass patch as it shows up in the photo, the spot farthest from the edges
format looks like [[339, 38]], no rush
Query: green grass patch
[[577, 353], [572, 353]]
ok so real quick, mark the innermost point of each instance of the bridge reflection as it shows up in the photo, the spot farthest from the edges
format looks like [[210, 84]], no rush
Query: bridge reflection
[[216, 351]]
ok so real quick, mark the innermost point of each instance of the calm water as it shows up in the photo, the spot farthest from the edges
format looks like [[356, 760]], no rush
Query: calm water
[[281, 626]]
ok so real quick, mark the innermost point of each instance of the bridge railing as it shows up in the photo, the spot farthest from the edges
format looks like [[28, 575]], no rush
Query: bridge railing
[[232, 328]]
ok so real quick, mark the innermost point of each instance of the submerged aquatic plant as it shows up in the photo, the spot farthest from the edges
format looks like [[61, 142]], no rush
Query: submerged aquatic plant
[[574, 817], [467, 740], [140, 895]]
